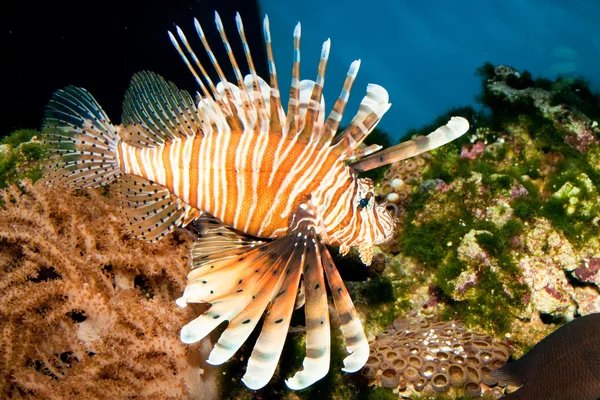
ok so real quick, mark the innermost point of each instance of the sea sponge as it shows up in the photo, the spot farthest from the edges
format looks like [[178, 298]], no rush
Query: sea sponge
[[432, 357], [87, 312]]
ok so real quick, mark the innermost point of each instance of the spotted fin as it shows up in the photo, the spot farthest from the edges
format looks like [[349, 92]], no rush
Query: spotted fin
[[356, 340], [80, 140], [155, 111], [218, 241], [456, 127], [257, 277], [151, 210]]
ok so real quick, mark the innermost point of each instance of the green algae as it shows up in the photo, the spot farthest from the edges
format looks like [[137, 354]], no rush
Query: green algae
[[20, 158], [377, 393]]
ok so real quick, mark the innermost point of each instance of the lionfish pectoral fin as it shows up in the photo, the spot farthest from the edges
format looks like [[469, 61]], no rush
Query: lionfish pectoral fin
[[239, 288], [318, 338], [356, 340], [301, 298], [218, 241], [268, 347], [456, 127], [241, 276], [151, 210]]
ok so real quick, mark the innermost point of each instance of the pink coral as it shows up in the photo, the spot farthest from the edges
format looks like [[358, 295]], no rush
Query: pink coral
[[474, 152]]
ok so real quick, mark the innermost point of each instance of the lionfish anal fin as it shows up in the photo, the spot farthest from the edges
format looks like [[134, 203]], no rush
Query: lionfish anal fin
[[242, 278], [152, 211]]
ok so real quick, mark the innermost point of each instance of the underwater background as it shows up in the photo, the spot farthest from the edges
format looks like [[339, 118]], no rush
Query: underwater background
[[498, 243], [424, 54]]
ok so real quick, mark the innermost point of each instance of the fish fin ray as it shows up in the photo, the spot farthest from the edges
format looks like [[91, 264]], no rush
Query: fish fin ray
[[276, 110], [155, 111], [267, 350], [370, 111], [335, 116], [81, 142], [218, 241], [456, 127], [151, 210], [313, 120], [356, 340], [318, 337], [301, 296], [291, 123]]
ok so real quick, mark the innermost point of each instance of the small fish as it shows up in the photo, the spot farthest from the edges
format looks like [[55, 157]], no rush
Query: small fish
[[564, 365], [267, 190]]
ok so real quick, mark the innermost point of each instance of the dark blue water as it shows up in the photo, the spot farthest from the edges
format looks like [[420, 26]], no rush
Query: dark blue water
[[425, 52]]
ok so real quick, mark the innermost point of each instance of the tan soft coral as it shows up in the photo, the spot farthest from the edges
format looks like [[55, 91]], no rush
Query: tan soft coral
[[86, 311]]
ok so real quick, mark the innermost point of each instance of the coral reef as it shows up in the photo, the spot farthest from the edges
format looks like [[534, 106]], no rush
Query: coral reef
[[435, 357], [86, 312], [398, 181], [503, 231]]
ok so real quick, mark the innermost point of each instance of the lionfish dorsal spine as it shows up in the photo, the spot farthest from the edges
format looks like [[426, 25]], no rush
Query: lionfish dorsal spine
[[335, 115], [371, 109], [258, 84], [291, 123], [312, 131], [187, 62], [276, 110]]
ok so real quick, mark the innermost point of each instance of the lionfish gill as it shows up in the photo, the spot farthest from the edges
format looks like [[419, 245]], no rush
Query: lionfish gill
[[267, 189]]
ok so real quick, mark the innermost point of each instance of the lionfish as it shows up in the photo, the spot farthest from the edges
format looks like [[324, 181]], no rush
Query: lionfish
[[267, 190]]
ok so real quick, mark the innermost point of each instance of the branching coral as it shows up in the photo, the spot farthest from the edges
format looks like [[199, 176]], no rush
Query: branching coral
[[86, 312]]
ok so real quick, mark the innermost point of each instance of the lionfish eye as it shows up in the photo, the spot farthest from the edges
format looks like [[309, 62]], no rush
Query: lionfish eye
[[365, 200]]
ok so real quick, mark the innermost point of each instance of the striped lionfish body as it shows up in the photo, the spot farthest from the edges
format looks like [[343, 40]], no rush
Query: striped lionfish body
[[266, 189]]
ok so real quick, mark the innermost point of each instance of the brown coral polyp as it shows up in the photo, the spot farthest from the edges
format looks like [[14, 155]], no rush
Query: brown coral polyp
[[415, 361], [440, 382], [389, 378], [428, 369], [487, 378], [399, 364], [369, 372], [472, 389], [411, 374], [457, 374], [435, 357]]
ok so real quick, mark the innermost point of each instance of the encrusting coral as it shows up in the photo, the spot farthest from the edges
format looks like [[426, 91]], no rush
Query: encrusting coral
[[86, 312], [435, 357]]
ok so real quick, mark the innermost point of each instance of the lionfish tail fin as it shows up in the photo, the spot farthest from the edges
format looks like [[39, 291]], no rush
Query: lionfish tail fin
[[455, 128], [80, 140]]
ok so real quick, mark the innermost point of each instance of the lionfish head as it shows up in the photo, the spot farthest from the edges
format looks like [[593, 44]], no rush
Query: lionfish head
[[377, 224]]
